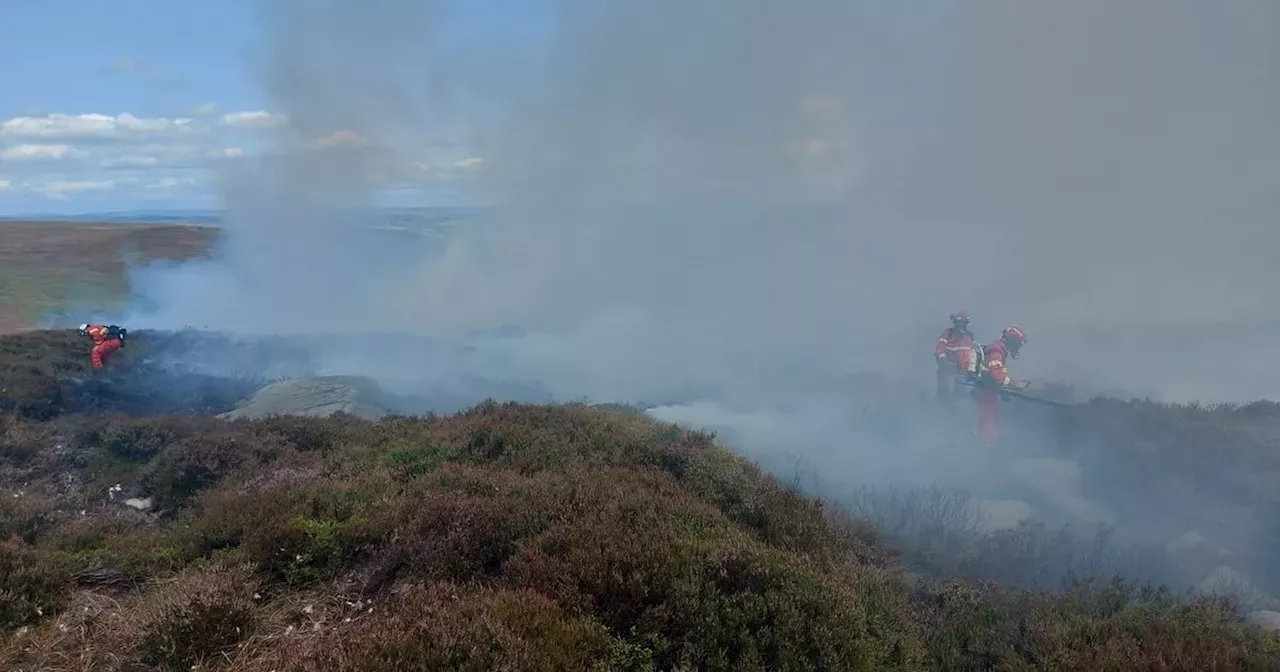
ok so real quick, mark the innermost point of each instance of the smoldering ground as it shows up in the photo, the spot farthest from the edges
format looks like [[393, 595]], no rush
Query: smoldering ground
[[745, 201]]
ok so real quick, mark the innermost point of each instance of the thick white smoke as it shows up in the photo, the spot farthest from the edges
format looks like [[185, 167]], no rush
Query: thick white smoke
[[751, 194], [743, 202]]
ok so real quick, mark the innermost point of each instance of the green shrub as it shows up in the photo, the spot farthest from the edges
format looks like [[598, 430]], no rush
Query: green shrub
[[718, 599], [310, 433], [415, 461], [31, 586], [317, 536], [134, 440], [198, 462]]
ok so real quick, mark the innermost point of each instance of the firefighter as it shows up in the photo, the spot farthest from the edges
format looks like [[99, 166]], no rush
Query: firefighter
[[954, 354], [994, 376], [107, 339]]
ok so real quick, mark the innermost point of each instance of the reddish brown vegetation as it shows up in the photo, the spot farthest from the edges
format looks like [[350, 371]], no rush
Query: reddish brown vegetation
[[506, 537]]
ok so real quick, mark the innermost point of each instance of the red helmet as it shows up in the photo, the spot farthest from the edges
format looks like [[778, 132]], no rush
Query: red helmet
[[1014, 334], [960, 317]]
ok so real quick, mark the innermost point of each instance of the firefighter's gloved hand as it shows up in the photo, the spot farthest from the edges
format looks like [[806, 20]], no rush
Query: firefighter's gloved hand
[[1020, 384]]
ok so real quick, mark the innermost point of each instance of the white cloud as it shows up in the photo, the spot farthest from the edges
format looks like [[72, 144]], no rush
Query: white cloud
[[132, 123], [130, 161], [170, 182], [39, 152], [254, 119], [62, 188], [5, 184], [79, 156], [89, 125]]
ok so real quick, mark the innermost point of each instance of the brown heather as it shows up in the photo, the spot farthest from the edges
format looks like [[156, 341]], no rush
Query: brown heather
[[506, 537]]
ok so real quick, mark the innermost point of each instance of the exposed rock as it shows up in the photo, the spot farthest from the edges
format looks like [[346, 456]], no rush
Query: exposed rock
[[1267, 620], [356, 395], [1001, 514], [139, 504], [1060, 482]]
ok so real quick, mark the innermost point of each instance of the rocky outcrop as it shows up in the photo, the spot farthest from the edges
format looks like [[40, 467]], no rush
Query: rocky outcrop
[[323, 396]]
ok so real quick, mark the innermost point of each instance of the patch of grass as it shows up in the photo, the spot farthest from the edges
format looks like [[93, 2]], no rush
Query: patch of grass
[[418, 460]]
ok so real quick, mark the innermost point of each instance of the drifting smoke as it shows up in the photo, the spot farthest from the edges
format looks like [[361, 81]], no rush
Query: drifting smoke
[[746, 201], [755, 195]]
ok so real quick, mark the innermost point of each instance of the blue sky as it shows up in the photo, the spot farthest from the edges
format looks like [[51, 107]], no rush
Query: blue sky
[[135, 104]]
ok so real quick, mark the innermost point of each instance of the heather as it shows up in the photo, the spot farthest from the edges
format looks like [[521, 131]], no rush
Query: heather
[[142, 532]]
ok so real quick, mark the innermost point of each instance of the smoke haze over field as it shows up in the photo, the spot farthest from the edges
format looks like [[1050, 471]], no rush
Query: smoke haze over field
[[727, 207], [752, 195]]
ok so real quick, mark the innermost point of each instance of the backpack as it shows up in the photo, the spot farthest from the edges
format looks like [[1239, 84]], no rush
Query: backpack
[[114, 331], [979, 366]]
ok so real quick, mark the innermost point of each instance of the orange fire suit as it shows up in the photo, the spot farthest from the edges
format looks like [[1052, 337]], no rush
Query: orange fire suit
[[955, 355], [994, 377], [103, 345]]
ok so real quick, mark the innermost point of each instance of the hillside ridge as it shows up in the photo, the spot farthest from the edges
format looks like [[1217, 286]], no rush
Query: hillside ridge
[[140, 532]]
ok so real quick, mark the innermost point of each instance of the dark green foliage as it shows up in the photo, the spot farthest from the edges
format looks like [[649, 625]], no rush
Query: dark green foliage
[[419, 460], [134, 440]]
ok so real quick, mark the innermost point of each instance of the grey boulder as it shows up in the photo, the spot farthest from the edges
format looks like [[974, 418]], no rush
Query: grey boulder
[[322, 396]]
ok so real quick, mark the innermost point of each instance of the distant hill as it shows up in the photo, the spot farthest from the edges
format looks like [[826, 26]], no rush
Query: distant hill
[[123, 217], [401, 216]]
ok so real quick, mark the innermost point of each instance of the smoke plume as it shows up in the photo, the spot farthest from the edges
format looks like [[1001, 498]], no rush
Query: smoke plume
[[751, 196], [747, 202]]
